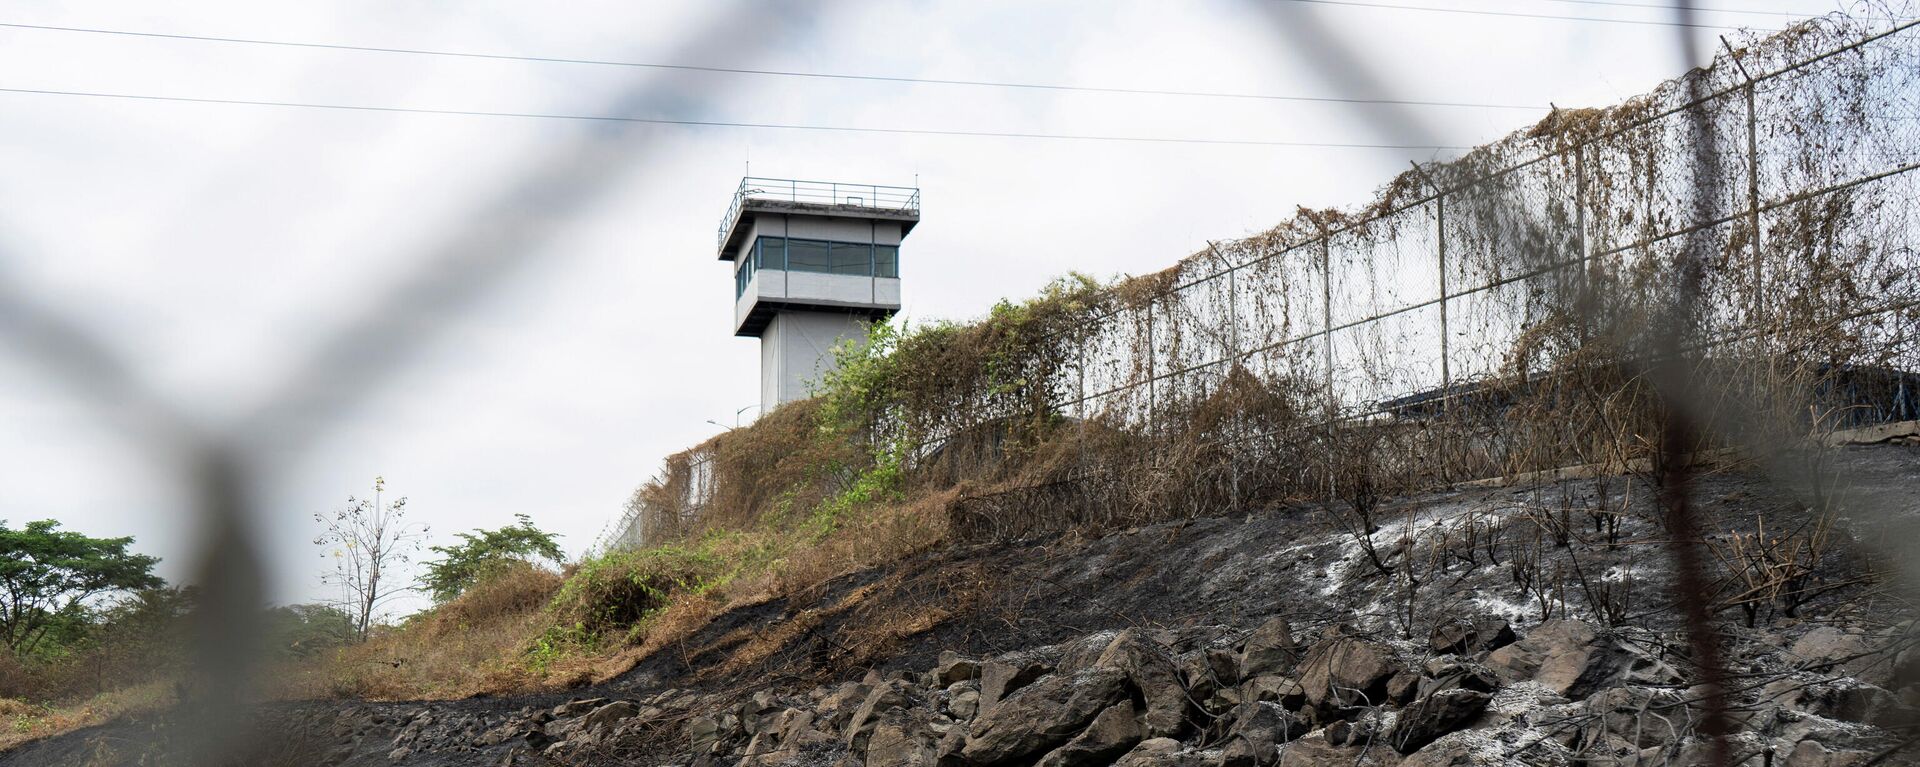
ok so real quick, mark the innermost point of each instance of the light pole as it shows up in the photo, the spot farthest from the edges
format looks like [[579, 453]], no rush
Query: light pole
[[736, 418]]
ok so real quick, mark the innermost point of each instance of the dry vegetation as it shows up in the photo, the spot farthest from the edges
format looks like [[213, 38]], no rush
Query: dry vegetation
[[1093, 406]]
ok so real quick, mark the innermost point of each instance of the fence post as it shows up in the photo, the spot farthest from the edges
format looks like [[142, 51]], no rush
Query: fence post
[[1753, 191], [1233, 356], [1582, 255], [1326, 345], [1153, 388], [1440, 245]]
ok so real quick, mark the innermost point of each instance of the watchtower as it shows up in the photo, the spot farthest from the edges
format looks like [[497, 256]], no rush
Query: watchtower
[[813, 263]]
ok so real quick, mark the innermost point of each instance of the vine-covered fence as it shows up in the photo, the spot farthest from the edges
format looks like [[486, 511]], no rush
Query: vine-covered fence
[[1483, 316]]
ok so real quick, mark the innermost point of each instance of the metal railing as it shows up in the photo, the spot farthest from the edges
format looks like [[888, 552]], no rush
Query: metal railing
[[869, 196]]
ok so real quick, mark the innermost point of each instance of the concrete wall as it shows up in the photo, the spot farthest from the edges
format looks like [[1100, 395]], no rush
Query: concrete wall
[[796, 350], [819, 228]]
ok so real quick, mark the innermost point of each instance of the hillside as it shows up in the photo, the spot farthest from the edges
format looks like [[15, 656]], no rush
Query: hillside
[[1239, 640]]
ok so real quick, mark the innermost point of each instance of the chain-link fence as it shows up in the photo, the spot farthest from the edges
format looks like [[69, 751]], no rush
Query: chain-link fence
[[1470, 283]]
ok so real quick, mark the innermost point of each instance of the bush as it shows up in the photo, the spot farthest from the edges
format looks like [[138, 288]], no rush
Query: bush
[[618, 590]]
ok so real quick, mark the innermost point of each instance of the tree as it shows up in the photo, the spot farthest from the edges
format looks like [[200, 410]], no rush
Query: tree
[[48, 576], [367, 540], [306, 630], [482, 552]]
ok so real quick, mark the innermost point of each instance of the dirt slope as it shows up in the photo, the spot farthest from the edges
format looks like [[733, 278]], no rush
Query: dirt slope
[[1194, 590]]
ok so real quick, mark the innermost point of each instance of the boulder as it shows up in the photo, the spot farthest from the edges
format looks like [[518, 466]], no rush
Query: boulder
[[1433, 715], [1274, 689], [577, 707], [1344, 671], [1812, 753], [1258, 729], [1643, 717], [1042, 715], [1460, 749], [888, 695], [1112, 733], [953, 668], [608, 715], [1315, 750], [1153, 752], [703, 734], [1461, 636], [998, 680], [1151, 671], [1270, 649], [839, 706], [964, 704], [1830, 649], [896, 745], [1572, 659]]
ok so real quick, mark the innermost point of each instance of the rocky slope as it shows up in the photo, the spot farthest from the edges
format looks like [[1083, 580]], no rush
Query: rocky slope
[[1501, 626]]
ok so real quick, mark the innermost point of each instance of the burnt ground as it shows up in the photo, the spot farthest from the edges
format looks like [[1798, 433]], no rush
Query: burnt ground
[[1293, 561]]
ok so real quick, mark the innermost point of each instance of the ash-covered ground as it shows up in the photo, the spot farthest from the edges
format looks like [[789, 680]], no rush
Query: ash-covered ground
[[1486, 626]]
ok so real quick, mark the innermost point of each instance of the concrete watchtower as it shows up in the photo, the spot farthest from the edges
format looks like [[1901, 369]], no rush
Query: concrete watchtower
[[813, 263]]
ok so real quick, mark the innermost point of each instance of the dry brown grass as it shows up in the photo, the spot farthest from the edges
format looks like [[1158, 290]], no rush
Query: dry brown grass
[[468, 646], [21, 722]]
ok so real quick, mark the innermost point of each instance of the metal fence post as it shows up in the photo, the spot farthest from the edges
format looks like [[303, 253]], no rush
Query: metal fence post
[[1753, 193]]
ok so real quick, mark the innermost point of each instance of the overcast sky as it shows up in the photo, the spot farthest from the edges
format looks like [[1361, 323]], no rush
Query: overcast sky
[[214, 246]]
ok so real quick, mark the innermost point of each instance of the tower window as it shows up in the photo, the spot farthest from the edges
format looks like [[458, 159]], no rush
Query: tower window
[[858, 259], [852, 258]]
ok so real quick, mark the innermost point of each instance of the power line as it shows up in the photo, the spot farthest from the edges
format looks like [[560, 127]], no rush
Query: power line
[[767, 72], [1669, 7], [1750, 11], [1518, 14], [727, 124]]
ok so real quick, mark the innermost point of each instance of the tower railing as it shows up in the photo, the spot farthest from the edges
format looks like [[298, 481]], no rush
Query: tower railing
[[870, 196]]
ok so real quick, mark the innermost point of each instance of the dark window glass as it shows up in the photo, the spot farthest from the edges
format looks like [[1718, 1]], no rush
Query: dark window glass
[[886, 261], [807, 256], [852, 258], [772, 253]]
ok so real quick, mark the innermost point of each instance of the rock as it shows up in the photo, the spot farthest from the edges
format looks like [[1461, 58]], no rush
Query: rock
[[893, 745], [839, 706], [1643, 717], [1112, 733], [1208, 670], [998, 680], [1258, 728], [888, 695], [1829, 649], [1812, 753], [964, 705], [1344, 671], [608, 715], [1042, 715], [1463, 749], [1572, 659], [1270, 649], [703, 733], [953, 668], [577, 707], [1459, 636], [1434, 715], [1276, 689], [1240, 752], [1401, 687], [1152, 752], [1454, 636], [1153, 673], [1450, 672], [1315, 750]]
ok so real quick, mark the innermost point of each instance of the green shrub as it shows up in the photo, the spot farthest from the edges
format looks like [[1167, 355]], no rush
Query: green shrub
[[616, 591]]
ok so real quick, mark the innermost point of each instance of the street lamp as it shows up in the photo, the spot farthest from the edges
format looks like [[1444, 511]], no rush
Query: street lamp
[[736, 418]]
